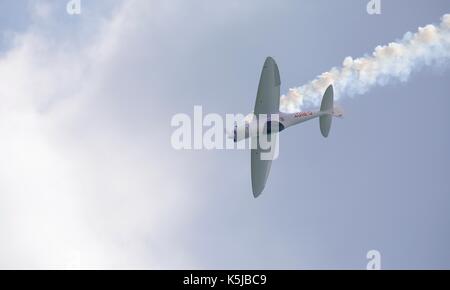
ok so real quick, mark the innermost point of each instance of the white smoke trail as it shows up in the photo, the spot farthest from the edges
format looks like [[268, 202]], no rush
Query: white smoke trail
[[429, 46]]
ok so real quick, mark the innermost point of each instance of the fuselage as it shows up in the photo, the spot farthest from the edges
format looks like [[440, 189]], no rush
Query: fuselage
[[272, 124]]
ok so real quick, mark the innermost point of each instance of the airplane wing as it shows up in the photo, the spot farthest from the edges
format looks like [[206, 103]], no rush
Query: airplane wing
[[268, 97], [267, 102], [260, 168]]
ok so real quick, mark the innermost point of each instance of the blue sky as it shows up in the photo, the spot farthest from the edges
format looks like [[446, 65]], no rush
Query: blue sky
[[88, 177]]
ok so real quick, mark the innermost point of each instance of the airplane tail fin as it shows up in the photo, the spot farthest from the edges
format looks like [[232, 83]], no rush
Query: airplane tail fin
[[327, 107]]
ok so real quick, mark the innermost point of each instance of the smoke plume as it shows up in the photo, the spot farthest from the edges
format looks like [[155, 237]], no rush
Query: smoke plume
[[429, 46]]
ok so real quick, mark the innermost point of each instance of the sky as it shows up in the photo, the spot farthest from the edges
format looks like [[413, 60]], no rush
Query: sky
[[89, 179]]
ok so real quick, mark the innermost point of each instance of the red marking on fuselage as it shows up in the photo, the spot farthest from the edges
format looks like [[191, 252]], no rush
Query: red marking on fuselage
[[303, 114]]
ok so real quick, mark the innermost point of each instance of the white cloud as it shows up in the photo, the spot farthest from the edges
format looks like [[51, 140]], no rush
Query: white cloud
[[74, 192]]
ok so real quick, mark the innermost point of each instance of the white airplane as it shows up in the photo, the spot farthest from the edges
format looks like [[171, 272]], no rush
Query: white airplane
[[267, 105]]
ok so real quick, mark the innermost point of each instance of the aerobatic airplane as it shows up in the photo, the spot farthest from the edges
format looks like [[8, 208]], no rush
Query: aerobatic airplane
[[267, 105]]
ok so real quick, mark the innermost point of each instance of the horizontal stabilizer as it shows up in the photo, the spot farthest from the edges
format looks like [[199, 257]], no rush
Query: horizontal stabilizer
[[327, 109]]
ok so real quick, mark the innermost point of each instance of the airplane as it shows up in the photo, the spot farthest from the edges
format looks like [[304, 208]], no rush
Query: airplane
[[267, 104]]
